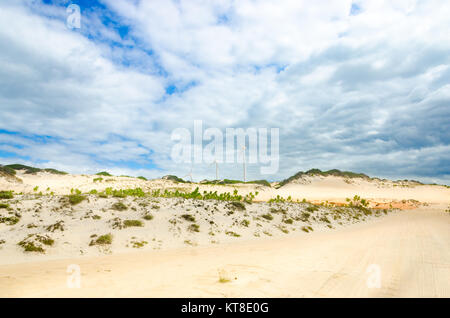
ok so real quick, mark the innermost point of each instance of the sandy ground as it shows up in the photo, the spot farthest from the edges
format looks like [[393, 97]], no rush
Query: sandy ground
[[409, 250], [398, 253]]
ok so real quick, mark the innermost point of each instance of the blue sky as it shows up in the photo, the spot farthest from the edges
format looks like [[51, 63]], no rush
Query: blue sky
[[353, 85]]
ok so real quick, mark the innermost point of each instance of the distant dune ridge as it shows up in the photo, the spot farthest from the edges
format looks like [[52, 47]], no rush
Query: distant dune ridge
[[46, 214]]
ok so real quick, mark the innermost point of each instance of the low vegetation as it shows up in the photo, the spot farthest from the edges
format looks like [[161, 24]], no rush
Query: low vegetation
[[119, 206], [36, 242], [32, 170], [10, 220], [6, 195], [188, 217], [267, 216], [318, 172], [194, 228], [74, 199], [148, 217], [131, 223], [104, 174], [102, 240]]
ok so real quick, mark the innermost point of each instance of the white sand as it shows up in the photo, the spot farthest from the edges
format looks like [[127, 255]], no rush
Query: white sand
[[410, 247]]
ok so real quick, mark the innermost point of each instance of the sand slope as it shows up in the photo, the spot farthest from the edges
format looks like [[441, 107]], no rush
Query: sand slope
[[410, 248]]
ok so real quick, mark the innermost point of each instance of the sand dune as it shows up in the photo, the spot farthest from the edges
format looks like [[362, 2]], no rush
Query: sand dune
[[223, 251], [410, 249]]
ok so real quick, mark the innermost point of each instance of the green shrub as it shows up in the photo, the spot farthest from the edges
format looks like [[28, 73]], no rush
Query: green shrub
[[27, 169], [148, 217], [57, 226], [236, 205], [142, 178], [7, 170], [6, 195], [119, 206], [31, 247], [130, 223], [33, 243], [10, 220], [245, 223], [267, 216], [288, 221], [231, 233], [104, 173], [188, 217], [312, 208], [4, 205], [102, 240], [279, 210], [137, 244], [76, 198], [194, 228]]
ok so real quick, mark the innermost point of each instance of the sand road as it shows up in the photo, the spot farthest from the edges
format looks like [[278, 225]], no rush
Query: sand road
[[401, 255]]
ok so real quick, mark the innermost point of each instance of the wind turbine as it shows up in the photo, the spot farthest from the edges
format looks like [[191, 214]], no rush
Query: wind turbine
[[243, 157], [217, 168], [189, 174]]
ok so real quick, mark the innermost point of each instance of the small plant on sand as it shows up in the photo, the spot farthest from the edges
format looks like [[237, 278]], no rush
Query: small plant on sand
[[283, 229], [35, 242], [102, 240], [267, 216], [119, 206], [31, 247], [288, 221], [148, 217], [279, 210], [231, 233], [57, 226], [76, 198], [4, 205], [10, 220], [6, 195], [312, 208], [100, 179], [357, 202], [245, 223], [188, 217], [139, 244], [130, 223], [142, 178], [236, 205], [304, 216], [224, 277], [194, 228], [189, 242]]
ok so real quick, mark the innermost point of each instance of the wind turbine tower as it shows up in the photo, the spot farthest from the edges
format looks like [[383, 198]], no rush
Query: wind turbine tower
[[243, 157]]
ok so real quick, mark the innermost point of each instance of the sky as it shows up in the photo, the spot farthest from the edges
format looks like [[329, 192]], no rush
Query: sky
[[354, 85]]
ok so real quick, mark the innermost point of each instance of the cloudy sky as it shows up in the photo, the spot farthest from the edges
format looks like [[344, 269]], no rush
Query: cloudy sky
[[354, 85]]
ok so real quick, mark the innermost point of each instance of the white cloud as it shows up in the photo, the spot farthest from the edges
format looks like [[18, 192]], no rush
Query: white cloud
[[345, 90]]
